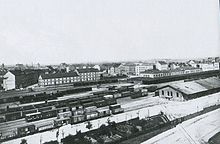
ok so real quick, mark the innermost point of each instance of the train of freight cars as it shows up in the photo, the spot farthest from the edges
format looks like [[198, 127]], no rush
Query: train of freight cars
[[62, 116]]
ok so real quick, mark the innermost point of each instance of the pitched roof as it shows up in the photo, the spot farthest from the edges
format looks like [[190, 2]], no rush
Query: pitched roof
[[59, 75], [162, 62], [195, 86], [87, 70], [156, 71], [209, 83], [189, 87]]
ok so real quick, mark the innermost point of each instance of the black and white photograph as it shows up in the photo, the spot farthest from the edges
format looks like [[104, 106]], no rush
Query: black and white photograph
[[109, 71]]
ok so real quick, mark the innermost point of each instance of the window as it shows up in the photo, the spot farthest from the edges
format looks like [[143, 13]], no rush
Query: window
[[171, 93], [168, 93], [177, 94], [162, 92]]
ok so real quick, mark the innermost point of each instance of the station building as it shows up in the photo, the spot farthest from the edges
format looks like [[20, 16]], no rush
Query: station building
[[190, 90]]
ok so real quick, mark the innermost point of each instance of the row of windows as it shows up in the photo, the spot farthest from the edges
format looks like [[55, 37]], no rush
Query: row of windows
[[66, 81], [170, 93], [61, 79], [91, 73], [173, 73]]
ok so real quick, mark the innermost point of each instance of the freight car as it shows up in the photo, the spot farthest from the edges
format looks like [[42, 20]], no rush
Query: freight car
[[103, 111], [49, 114], [116, 109], [13, 116], [91, 115], [25, 130], [77, 119], [64, 114], [62, 121], [45, 126], [33, 116]]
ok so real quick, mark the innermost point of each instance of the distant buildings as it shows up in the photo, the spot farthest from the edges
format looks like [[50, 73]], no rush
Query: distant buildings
[[189, 90], [155, 73], [205, 65]]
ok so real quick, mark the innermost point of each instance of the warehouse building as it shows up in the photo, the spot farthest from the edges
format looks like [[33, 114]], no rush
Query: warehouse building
[[190, 90]]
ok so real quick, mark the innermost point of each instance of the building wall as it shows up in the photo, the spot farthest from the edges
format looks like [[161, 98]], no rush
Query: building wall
[[161, 67], [90, 76], [142, 68], [171, 94], [58, 81], [147, 75], [9, 81], [209, 66]]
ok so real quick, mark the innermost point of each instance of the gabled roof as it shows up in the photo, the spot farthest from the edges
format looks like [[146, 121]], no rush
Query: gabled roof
[[189, 87], [87, 70], [162, 62], [59, 75], [195, 86], [116, 64]]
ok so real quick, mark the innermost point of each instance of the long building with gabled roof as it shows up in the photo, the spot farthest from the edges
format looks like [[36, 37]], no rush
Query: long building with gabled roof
[[189, 90], [79, 75], [58, 79]]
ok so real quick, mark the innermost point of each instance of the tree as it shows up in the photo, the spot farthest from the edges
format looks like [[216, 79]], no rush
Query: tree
[[89, 125], [23, 141]]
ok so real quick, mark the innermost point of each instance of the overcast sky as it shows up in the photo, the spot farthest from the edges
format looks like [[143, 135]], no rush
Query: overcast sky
[[72, 31]]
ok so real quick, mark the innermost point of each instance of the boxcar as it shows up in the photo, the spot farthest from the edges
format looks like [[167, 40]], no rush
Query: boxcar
[[45, 126], [49, 113], [13, 116], [33, 116], [91, 115], [62, 121], [64, 114], [78, 112], [24, 130], [29, 111], [103, 111], [77, 119]]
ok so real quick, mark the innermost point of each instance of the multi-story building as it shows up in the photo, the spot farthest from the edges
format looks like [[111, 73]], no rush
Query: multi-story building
[[114, 69], [88, 74], [16, 79], [208, 66], [161, 65], [142, 67], [58, 79], [128, 69]]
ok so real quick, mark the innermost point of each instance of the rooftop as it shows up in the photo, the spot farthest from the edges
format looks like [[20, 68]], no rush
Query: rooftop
[[189, 87], [196, 86], [162, 62], [86, 70], [156, 71], [59, 75]]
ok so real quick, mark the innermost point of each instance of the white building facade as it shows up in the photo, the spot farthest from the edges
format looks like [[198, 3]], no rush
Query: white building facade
[[9, 81]]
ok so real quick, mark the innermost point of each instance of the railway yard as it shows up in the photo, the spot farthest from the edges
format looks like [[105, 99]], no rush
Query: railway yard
[[54, 119], [42, 115]]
